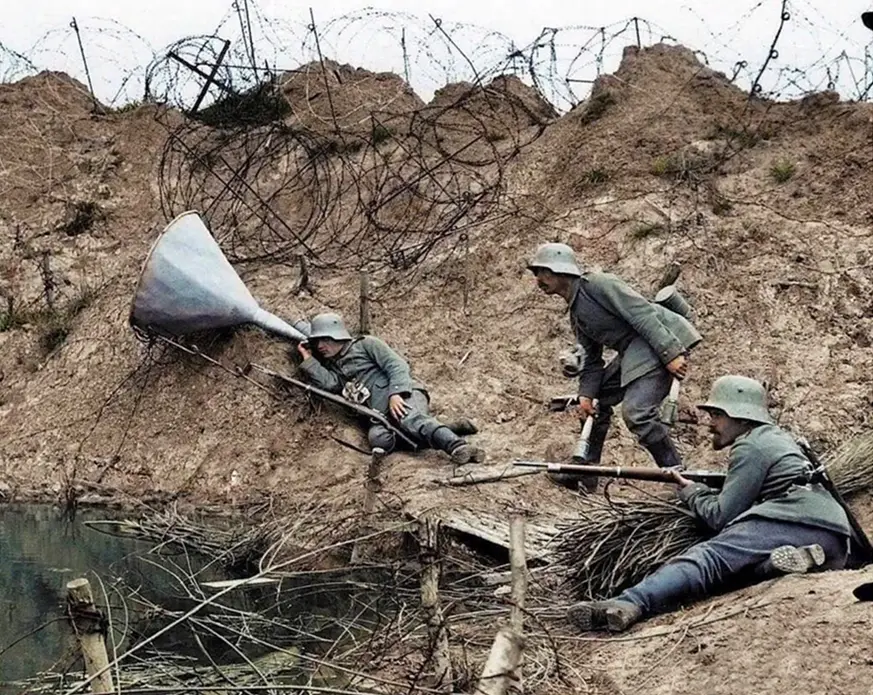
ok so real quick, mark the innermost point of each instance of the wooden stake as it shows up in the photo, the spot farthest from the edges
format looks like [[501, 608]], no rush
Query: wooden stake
[[502, 661], [364, 319], [87, 622], [430, 603], [518, 569], [373, 485]]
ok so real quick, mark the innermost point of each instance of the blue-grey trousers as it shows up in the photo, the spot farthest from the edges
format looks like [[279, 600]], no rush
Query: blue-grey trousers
[[733, 554], [422, 427], [640, 408]]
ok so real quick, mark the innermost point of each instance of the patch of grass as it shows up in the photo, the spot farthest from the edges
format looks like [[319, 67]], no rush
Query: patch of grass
[[596, 176], [668, 165], [741, 137], [782, 170], [126, 108], [52, 325], [380, 134], [647, 229], [596, 107], [84, 214]]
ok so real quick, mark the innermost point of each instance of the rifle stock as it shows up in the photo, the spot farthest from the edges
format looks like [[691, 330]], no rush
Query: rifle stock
[[657, 475]]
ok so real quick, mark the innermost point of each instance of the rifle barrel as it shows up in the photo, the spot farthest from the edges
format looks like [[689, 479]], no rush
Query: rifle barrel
[[659, 475]]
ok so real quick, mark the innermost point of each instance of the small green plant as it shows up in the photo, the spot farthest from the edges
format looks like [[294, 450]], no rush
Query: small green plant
[[740, 137], [669, 165], [126, 108], [782, 170]]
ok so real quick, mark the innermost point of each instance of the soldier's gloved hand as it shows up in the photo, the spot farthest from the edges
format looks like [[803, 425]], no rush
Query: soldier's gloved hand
[[304, 350], [398, 407], [678, 367], [585, 408]]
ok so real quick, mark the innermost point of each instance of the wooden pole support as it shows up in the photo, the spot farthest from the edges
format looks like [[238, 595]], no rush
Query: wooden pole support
[[501, 664], [87, 622], [372, 487], [373, 483], [518, 571], [364, 319], [430, 603]]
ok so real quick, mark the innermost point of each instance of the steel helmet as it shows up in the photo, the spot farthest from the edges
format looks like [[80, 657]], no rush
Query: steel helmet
[[559, 258], [328, 326], [740, 397]]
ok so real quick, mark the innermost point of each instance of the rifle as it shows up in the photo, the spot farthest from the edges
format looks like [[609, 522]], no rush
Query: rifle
[[860, 549], [339, 400], [713, 479]]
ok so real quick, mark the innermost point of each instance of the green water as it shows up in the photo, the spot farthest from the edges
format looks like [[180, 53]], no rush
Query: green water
[[40, 552]]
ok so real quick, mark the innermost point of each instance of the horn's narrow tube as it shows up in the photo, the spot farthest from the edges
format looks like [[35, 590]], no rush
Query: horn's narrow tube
[[273, 324]]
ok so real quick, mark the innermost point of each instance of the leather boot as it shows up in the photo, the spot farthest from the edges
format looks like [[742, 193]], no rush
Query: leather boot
[[665, 454], [462, 426], [614, 615], [460, 451]]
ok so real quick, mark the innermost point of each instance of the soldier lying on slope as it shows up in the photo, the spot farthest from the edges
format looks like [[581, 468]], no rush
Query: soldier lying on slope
[[770, 517], [366, 370]]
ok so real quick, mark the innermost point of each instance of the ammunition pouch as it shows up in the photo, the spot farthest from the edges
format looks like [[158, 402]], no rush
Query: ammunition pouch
[[356, 392]]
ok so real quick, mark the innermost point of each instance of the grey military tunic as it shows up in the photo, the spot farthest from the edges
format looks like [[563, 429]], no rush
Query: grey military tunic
[[606, 312], [765, 468], [371, 362]]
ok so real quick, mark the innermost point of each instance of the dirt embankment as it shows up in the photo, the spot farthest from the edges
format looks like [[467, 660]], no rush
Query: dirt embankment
[[765, 206]]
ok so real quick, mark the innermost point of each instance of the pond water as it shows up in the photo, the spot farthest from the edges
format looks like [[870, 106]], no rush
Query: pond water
[[40, 551]]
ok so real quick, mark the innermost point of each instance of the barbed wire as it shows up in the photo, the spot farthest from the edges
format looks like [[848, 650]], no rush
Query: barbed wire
[[429, 52]]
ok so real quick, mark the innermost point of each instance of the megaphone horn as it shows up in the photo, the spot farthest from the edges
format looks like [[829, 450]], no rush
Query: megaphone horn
[[187, 285]]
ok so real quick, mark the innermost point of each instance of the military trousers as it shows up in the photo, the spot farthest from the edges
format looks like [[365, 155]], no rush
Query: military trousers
[[640, 408], [731, 557], [422, 427]]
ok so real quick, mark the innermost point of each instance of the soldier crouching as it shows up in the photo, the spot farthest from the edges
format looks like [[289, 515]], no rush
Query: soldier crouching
[[367, 371]]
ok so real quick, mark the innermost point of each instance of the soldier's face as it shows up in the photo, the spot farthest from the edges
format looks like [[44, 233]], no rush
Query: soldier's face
[[328, 348], [724, 429], [547, 281]]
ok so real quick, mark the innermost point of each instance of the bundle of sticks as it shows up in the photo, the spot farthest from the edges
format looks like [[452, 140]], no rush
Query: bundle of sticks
[[614, 544]]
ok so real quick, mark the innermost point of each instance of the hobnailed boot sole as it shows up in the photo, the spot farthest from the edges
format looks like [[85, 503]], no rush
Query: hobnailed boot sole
[[793, 560], [467, 453], [587, 616]]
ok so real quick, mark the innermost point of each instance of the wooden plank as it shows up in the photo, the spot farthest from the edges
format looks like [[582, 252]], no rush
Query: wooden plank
[[493, 529]]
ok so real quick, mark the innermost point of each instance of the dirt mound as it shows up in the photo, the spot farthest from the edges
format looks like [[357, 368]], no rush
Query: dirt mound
[[331, 97], [764, 206]]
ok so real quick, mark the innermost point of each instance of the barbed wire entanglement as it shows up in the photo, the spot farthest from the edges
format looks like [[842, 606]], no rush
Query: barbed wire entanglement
[[295, 157]]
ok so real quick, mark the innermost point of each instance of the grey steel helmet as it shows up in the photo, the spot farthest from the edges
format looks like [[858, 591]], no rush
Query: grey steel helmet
[[559, 258], [739, 397], [328, 326]]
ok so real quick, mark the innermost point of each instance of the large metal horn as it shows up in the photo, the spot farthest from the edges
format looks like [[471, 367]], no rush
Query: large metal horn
[[188, 285]]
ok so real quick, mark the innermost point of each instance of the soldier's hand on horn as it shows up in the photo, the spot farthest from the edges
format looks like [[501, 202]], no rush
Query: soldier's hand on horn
[[678, 366], [398, 406], [303, 349], [586, 407]]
